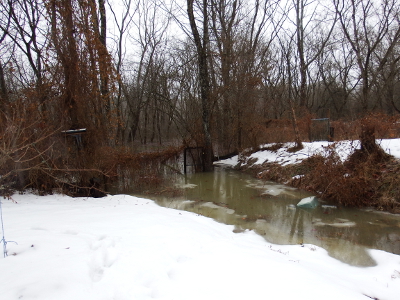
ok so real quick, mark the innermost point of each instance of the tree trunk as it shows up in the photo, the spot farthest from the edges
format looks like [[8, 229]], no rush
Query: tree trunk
[[103, 53], [204, 81], [70, 59], [3, 91]]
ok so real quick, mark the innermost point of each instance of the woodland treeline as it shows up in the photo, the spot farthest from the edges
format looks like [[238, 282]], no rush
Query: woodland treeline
[[203, 73]]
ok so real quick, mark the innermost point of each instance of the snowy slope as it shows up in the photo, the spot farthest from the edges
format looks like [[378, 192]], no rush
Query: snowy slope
[[342, 148]]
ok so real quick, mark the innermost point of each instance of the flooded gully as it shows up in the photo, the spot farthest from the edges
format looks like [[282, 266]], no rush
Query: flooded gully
[[270, 210]]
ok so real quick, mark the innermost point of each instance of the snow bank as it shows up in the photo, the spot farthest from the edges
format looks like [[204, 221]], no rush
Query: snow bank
[[122, 247], [283, 157]]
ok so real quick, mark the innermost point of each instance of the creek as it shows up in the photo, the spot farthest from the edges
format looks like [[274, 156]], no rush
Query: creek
[[236, 198]]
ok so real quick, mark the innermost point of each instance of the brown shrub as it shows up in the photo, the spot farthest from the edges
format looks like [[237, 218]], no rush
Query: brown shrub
[[361, 181], [385, 126], [368, 178], [274, 172], [277, 131], [281, 130], [137, 171]]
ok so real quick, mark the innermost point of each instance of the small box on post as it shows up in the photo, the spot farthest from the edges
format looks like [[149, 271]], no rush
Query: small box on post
[[77, 135]]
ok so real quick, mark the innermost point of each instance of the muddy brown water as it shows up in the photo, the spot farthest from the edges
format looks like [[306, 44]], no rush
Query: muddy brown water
[[270, 210]]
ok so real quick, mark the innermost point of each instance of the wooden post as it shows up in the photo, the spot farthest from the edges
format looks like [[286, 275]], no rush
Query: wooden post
[[184, 161]]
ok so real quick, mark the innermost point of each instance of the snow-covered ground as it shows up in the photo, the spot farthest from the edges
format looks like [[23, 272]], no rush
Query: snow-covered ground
[[123, 247], [342, 148]]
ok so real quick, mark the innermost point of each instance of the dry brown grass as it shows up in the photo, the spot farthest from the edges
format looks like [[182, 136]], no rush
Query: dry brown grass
[[364, 180], [368, 178], [281, 130]]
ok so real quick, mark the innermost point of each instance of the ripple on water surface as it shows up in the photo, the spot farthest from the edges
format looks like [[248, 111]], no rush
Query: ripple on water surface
[[270, 210]]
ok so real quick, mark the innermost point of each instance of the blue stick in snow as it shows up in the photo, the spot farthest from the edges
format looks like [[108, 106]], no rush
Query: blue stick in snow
[[3, 240]]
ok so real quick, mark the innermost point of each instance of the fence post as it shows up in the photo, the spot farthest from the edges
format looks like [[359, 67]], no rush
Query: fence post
[[3, 240]]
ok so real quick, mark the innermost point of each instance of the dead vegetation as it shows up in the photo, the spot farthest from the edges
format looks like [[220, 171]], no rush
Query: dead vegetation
[[369, 177], [372, 183], [142, 171], [358, 182], [45, 160]]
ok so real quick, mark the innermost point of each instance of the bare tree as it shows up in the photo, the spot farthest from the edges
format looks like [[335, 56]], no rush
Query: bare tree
[[242, 34], [123, 24], [288, 79], [336, 71], [201, 42], [100, 31], [26, 21], [223, 18], [6, 10], [312, 30], [369, 27], [150, 29], [387, 76], [25, 32]]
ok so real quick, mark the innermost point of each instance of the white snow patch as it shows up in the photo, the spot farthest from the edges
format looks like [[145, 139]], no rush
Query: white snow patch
[[342, 148]]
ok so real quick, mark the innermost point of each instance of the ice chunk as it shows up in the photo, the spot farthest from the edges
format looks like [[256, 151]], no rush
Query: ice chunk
[[309, 202]]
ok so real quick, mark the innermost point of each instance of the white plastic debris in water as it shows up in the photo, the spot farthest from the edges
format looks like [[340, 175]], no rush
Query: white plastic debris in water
[[309, 202], [329, 206], [337, 223], [221, 208], [186, 186]]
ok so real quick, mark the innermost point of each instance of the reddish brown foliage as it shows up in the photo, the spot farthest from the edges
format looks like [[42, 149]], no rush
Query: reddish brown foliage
[[361, 181]]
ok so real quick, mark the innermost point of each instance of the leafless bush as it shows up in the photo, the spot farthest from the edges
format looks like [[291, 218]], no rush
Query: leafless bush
[[25, 148]]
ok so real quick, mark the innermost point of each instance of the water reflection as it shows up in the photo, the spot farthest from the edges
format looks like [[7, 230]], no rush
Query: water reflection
[[270, 210]]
